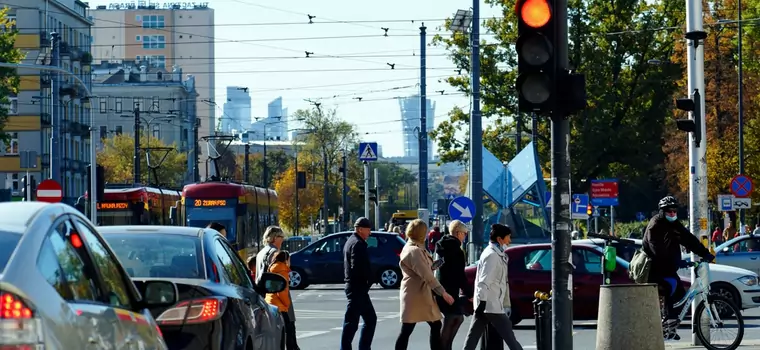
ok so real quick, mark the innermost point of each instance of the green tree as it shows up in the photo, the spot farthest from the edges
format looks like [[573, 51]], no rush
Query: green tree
[[277, 163], [619, 134], [9, 79], [117, 157]]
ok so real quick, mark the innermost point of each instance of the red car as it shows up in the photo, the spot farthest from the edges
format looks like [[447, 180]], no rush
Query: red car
[[530, 270]]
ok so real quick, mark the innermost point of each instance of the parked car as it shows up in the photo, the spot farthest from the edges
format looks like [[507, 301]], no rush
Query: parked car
[[742, 251], [219, 307], [62, 287], [726, 278], [322, 261], [530, 270]]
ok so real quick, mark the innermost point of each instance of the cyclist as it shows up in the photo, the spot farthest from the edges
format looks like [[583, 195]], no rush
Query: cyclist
[[663, 239]]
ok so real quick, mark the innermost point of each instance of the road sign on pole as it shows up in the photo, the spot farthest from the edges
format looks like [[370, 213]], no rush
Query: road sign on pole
[[604, 193], [579, 206], [28, 159], [368, 151], [49, 191], [462, 208], [726, 202], [742, 186]]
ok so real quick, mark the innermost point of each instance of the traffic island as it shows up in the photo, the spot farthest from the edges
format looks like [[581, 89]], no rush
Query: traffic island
[[629, 318]]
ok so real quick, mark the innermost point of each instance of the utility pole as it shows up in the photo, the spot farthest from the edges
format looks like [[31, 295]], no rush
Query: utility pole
[[326, 190], [266, 170], [55, 87], [377, 200], [344, 201], [136, 159], [246, 165], [423, 136], [476, 142], [366, 189], [297, 187], [196, 154]]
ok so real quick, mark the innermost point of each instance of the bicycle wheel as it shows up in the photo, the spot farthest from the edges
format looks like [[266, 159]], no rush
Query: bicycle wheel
[[732, 323]]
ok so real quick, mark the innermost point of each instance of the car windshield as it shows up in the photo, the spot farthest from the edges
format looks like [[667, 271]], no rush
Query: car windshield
[[158, 255], [8, 242]]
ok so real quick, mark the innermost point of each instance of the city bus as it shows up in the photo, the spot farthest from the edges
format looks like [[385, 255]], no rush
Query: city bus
[[244, 210], [136, 206]]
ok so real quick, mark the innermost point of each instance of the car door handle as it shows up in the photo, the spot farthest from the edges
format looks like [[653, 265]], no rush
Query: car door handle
[[755, 258], [92, 340]]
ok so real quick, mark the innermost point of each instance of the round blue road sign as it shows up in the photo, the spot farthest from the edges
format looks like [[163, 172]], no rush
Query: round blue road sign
[[741, 186]]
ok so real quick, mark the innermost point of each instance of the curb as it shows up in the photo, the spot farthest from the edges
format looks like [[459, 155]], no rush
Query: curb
[[687, 345]]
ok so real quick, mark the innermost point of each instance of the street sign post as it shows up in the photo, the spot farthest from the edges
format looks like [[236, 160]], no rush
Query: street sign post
[[604, 192], [579, 206], [462, 208], [741, 203], [742, 186], [368, 151], [49, 191], [726, 202]]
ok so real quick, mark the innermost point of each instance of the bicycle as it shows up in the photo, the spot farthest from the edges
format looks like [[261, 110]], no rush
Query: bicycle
[[706, 314]]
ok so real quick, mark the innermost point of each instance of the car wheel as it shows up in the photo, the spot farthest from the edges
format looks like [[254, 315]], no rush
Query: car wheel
[[390, 278], [729, 292], [298, 279]]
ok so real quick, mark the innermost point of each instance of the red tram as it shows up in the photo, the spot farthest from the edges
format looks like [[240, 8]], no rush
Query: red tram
[[136, 206], [244, 210]]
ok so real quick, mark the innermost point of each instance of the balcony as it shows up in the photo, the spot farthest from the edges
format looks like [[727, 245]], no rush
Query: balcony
[[45, 120], [75, 53], [45, 80], [67, 163], [79, 129], [76, 165], [63, 49], [86, 58], [44, 39], [45, 160]]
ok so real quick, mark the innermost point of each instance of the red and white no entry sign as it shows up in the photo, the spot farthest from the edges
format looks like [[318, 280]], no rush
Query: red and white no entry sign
[[49, 191]]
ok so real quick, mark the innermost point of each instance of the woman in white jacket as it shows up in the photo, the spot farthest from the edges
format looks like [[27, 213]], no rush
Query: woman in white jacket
[[491, 301]]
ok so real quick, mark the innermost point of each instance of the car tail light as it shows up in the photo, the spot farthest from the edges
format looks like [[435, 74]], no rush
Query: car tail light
[[193, 311], [20, 329]]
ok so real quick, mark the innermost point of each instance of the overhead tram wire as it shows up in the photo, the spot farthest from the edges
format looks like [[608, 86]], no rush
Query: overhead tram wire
[[335, 70]]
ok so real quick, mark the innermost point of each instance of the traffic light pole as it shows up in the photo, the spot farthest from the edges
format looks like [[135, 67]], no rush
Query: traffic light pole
[[562, 297], [366, 190], [377, 199], [476, 141]]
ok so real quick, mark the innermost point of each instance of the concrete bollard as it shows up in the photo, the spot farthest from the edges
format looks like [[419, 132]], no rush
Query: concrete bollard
[[629, 318]]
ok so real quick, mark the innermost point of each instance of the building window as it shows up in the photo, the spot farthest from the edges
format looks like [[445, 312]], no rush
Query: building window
[[157, 131], [154, 42], [103, 131], [138, 18], [135, 103], [11, 149], [12, 20], [14, 182], [156, 105], [118, 130], [117, 105], [137, 38], [156, 61], [153, 21], [12, 106], [103, 104]]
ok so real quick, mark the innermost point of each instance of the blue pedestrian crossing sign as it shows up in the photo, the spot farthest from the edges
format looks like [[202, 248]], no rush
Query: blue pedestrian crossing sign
[[579, 206], [596, 213], [462, 208], [368, 151]]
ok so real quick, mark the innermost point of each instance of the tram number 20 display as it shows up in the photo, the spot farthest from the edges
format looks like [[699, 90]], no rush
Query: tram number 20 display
[[210, 203]]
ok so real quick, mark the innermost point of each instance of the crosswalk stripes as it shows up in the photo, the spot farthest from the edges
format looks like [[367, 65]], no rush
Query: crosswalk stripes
[[334, 314]]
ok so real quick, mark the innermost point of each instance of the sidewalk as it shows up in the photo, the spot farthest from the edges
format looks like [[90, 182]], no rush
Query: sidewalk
[[746, 344]]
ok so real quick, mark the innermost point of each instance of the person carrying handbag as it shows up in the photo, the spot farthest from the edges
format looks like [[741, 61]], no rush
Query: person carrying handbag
[[452, 278]]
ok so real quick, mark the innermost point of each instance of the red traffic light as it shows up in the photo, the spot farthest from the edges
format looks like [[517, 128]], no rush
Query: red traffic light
[[535, 13]]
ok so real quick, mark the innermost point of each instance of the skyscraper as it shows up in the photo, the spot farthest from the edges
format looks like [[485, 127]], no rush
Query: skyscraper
[[410, 125], [237, 110], [275, 125]]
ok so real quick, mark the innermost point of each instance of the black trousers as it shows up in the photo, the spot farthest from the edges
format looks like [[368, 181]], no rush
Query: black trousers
[[491, 339], [402, 342], [290, 333]]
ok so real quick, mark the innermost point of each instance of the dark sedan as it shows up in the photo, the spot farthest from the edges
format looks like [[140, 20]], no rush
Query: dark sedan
[[530, 270], [218, 306], [322, 261]]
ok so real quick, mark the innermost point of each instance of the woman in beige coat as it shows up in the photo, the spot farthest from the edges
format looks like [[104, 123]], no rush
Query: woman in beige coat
[[417, 287]]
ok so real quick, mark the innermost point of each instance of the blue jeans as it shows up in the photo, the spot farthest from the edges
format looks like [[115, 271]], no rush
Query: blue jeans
[[359, 306]]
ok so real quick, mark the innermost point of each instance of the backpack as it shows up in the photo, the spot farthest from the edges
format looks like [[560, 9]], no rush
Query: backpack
[[640, 266]]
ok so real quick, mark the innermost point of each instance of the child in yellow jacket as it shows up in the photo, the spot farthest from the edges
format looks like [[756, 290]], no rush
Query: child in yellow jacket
[[281, 266]]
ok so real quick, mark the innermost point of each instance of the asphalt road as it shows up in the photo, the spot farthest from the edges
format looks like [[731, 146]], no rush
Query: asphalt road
[[320, 308]]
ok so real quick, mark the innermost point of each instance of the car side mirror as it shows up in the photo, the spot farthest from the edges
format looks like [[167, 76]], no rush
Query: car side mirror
[[271, 283], [159, 293], [725, 250]]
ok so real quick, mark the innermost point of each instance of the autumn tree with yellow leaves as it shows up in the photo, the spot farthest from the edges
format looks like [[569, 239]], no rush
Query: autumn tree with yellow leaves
[[117, 158]]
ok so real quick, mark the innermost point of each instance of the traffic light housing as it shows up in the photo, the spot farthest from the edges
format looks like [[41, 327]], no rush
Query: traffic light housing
[[372, 193], [692, 125], [100, 180], [24, 190], [536, 64], [589, 209]]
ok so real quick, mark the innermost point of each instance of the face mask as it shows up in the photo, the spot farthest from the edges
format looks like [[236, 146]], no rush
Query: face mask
[[504, 246], [671, 218]]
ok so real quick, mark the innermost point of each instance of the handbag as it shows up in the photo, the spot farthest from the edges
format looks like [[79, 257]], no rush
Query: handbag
[[640, 266]]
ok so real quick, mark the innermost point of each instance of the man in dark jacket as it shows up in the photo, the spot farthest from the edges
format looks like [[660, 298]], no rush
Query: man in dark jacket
[[663, 239], [358, 277]]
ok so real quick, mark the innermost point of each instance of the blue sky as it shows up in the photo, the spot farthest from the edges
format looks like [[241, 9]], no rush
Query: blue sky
[[377, 115]]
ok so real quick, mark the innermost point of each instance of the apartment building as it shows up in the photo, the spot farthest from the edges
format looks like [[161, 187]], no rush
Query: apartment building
[[33, 109], [166, 103], [163, 35]]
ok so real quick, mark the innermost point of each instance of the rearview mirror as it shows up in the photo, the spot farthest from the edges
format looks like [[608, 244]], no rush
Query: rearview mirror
[[271, 283], [160, 293]]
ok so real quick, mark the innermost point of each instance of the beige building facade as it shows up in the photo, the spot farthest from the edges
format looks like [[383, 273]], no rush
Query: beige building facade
[[162, 35]]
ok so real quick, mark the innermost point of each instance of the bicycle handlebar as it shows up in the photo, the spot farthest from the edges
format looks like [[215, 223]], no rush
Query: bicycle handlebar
[[609, 238]]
